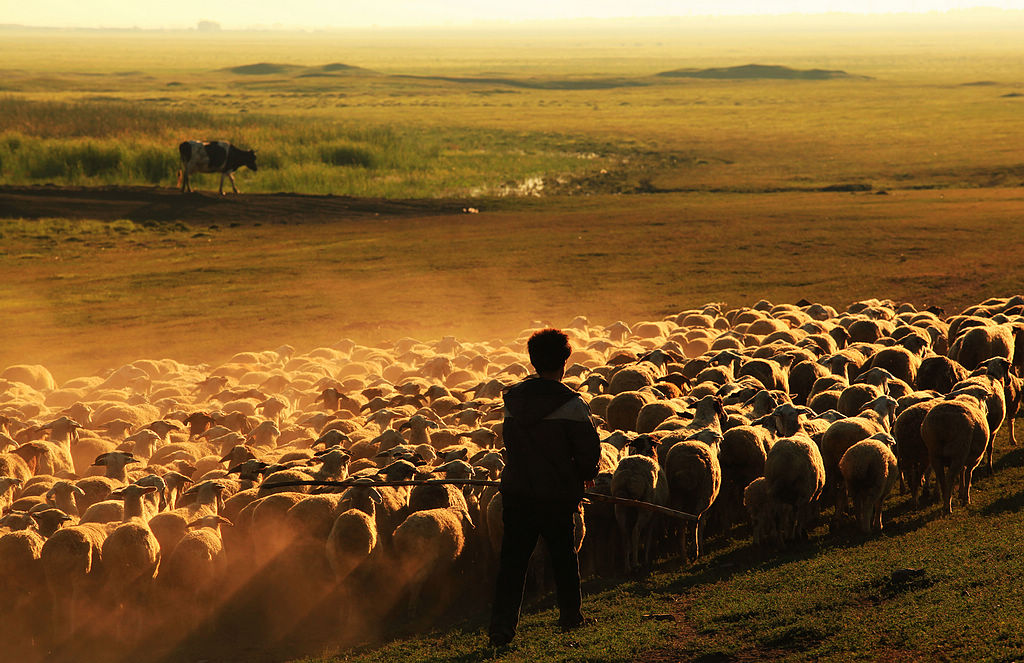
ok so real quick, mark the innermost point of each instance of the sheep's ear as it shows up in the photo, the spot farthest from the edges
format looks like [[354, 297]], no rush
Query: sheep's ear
[[101, 459], [374, 495], [467, 520], [146, 490], [224, 521], [237, 469]]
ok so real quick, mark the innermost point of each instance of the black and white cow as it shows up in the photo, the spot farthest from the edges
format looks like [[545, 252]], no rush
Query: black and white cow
[[213, 157]]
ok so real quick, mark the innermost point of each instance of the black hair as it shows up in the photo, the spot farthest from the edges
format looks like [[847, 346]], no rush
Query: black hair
[[549, 349]]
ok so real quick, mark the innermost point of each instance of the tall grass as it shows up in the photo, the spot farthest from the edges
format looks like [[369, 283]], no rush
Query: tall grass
[[114, 142]]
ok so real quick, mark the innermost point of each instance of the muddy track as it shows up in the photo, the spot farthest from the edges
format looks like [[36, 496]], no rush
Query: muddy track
[[108, 203]]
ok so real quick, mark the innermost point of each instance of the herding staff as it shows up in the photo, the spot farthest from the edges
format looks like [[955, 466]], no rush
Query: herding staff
[[594, 497]]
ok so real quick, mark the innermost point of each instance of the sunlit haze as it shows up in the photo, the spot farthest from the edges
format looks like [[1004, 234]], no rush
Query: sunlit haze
[[316, 14]]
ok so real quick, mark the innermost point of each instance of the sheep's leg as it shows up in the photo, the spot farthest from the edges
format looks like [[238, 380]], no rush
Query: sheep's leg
[[965, 486], [698, 537], [988, 452], [945, 480]]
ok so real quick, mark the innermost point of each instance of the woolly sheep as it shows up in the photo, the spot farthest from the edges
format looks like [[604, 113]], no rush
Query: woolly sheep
[[955, 433], [625, 407], [795, 475], [639, 477], [429, 544], [869, 472], [939, 374], [694, 479], [911, 452], [839, 437], [741, 456]]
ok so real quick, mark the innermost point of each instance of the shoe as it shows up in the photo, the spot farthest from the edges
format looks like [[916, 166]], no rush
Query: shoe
[[579, 623]]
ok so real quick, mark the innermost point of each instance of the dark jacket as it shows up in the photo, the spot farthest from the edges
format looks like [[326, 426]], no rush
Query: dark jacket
[[551, 445]]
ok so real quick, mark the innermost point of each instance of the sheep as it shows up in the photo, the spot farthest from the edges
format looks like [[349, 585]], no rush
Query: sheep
[[795, 475], [741, 456], [353, 536], [956, 434], [625, 407], [71, 561], [131, 557], [22, 584], [62, 495], [990, 392], [839, 437], [869, 472], [694, 479], [759, 509], [189, 576], [938, 373], [911, 452], [977, 344], [639, 477], [429, 544], [999, 368]]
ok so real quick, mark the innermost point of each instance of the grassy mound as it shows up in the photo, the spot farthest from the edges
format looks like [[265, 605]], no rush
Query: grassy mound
[[758, 71], [263, 69]]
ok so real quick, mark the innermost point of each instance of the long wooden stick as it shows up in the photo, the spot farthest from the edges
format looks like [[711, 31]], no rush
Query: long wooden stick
[[594, 497]]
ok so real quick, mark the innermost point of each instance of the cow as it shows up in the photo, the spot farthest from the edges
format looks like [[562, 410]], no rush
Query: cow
[[212, 157]]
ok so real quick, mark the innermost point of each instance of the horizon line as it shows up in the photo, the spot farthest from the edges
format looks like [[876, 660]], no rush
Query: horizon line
[[529, 22]]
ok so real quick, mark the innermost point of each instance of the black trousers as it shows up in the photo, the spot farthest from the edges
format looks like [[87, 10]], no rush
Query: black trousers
[[524, 522]]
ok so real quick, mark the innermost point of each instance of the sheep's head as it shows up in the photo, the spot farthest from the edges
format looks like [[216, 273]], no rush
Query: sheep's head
[[644, 445], [400, 470]]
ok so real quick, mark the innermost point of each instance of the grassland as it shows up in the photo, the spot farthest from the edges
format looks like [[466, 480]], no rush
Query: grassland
[[723, 205], [412, 115]]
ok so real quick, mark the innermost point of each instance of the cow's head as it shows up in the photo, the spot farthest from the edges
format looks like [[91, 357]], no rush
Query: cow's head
[[249, 159]]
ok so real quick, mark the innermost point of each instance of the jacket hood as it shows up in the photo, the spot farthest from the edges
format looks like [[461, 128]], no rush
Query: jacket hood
[[535, 398]]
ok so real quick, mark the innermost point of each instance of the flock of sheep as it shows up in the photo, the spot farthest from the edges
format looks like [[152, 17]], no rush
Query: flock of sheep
[[141, 505]]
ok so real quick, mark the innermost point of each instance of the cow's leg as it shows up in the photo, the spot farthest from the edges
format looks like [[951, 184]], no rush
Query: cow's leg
[[231, 176], [222, 184]]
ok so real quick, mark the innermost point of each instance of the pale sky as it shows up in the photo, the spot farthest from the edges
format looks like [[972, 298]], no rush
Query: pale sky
[[240, 14]]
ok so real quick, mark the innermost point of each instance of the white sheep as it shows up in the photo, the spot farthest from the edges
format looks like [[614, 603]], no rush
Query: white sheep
[[956, 435], [694, 480], [869, 471], [795, 475], [639, 477]]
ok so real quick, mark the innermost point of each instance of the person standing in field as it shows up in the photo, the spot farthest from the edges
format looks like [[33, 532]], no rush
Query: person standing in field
[[551, 455]]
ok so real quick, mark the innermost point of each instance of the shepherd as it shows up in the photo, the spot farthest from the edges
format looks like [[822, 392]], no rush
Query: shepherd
[[213, 157], [552, 451]]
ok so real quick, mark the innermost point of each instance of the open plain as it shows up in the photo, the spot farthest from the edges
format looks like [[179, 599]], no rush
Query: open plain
[[476, 184]]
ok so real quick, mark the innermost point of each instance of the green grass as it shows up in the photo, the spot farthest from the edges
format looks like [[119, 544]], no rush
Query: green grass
[[459, 114], [88, 144]]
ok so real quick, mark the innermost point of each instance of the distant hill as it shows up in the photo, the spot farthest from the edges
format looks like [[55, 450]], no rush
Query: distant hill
[[274, 69], [750, 71]]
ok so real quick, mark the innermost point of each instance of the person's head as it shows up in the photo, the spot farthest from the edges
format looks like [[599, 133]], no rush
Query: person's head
[[549, 349]]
